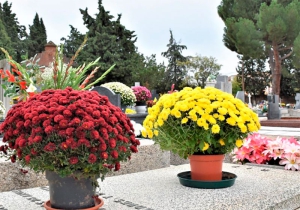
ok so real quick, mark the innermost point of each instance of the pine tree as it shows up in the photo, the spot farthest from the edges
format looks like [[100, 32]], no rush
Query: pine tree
[[174, 73], [5, 41], [110, 40], [37, 36], [16, 33]]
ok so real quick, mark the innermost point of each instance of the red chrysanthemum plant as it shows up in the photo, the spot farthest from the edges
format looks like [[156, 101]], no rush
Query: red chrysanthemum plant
[[68, 131]]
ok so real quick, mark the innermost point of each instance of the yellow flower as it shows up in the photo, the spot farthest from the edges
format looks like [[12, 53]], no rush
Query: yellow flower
[[144, 133], [231, 121], [160, 122], [206, 146], [215, 129], [222, 111], [156, 132], [221, 141], [184, 120], [221, 118], [239, 143]]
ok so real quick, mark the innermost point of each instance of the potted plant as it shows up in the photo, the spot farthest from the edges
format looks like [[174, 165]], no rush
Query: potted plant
[[142, 94], [200, 123], [125, 92], [74, 136]]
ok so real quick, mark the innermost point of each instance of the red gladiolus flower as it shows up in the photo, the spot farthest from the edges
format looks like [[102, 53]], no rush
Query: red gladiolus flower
[[27, 159], [11, 77], [73, 160], [92, 158], [104, 155], [22, 85], [114, 154]]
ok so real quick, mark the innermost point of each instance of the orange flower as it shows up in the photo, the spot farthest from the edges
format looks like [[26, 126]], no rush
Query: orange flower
[[11, 77], [17, 72], [23, 85]]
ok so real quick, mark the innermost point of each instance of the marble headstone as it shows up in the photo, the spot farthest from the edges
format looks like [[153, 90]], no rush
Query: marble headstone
[[273, 107], [115, 99], [240, 95], [297, 98], [223, 84]]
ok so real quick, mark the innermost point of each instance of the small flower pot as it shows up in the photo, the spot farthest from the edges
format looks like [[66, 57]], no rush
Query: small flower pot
[[206, 167], [140, 109]]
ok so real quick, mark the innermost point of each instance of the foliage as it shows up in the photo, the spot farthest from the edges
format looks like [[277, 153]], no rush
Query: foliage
[[142, 94], [199, 121], [5, 41], [174, 73], [262, 150], [15, 31], [236, 85], [37, 36], [67, 131], [150, 73], [59, 76], [126, 93], [256, 76], [260, 28], [110, 40], [200, 68]]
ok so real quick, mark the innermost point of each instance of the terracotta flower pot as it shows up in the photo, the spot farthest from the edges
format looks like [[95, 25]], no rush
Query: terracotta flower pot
[[98, 203], [206, 167]]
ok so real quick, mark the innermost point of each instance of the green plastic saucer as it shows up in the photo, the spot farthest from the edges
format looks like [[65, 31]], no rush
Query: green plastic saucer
[[228, 180]]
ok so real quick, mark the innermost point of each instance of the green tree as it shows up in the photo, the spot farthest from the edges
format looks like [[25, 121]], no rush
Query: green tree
[[72, 42], [256, 78], [110, 40], [16, 32], [174, 73], [200, 68], [5, 41], [236, 85], [37, 36], [263, 27], [150, 73]]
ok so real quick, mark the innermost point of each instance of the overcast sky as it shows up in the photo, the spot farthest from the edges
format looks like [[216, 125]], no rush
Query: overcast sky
[[195, 23]]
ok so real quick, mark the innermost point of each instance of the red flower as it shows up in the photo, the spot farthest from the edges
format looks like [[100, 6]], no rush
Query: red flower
[[22, 85], [33, 152], [73, 160], [13, 158], [117, 166], [67, 113], [63, 123], [112, 143], [69, 131], [64, 146], [133, 148], [114, 154], [104, 155], [102, 147], [95, 134], [50, 147], [84, 142], [49, 129], [58, 118], [27, 159], [11, 77], [92, 158], [37, 139]]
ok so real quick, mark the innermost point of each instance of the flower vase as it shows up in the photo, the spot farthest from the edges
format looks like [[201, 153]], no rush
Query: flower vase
[[140, 107], [71, 193], [206, 167]]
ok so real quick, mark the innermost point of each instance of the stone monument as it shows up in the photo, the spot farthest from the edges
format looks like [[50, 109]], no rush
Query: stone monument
[[223, 84], [240, 95], [297, 98], [115, 99]]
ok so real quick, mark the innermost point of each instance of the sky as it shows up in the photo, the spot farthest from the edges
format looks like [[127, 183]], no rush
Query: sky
[[194, 23]]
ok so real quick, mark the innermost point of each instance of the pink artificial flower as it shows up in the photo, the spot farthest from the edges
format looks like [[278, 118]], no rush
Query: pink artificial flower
[[291, 162]]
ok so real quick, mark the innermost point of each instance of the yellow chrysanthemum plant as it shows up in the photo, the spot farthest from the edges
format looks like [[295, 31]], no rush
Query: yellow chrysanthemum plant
[[199, 121]]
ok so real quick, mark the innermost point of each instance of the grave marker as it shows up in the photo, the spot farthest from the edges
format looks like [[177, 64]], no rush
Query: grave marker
[[115, 99], [297, 98]]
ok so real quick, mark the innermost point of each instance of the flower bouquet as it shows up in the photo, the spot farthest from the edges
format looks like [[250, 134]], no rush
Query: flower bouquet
[[142, 94], [199, 122], [127, 96], [262, 150]]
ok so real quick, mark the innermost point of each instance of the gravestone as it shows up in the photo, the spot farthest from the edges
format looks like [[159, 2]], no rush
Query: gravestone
[[240, 95], [223, 84], [273, 107], [297, 98], [154, 95], [115, 99]]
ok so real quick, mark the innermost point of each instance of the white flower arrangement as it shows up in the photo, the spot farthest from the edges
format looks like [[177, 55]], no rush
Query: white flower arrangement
[[138, 128], [127, 95]]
